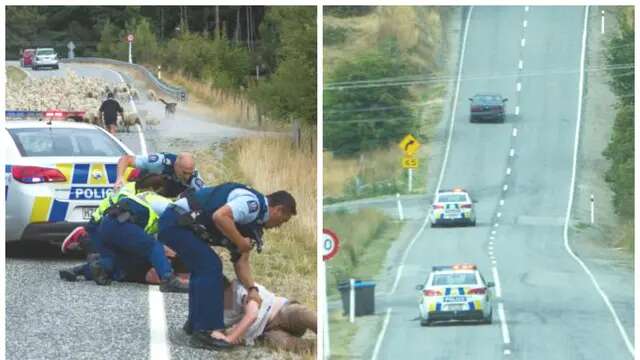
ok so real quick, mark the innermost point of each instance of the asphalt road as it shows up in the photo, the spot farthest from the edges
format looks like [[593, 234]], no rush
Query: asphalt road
[[551, 307], [47, 318]]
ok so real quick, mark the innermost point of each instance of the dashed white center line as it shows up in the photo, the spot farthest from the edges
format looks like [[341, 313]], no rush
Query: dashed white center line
[[523, 41], [493, 261], [496, 225], [526, 9], [518, 87], [508, 171], [514, 132], [493, 232], [503, 320], [496, 281], [491, 254], [507, 352], [490, 247], [524, 24], [520, 64], [492, 238], [505, 187], [499, 214], [517, 110], [501, 202], [512, 152]]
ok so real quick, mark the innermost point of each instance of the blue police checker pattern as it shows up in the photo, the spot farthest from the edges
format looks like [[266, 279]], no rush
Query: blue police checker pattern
[[438, 306], [112, 172], [58, 210], [471, 305], [80, 174]]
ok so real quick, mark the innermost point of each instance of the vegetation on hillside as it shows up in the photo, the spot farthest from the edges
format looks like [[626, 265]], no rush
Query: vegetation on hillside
[[620, 60]]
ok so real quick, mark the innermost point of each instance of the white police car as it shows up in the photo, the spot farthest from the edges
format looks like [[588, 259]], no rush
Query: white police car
[[455, 292], [452, 207], [56, 173]]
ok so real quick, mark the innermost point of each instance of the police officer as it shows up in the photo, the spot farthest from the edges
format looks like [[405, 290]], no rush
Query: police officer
[[228, 215], [178, 170], [124, 236], [109, 110]]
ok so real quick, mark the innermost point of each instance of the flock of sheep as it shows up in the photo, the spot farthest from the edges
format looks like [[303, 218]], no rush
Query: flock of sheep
[[75, 93]]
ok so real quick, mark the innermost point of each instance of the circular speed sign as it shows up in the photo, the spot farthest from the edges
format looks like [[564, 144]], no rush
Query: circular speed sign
[[130, 38], [330, 244]]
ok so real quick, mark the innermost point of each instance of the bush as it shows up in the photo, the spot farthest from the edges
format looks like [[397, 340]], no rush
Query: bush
[[333, 35], [348, 11], [363, 118]]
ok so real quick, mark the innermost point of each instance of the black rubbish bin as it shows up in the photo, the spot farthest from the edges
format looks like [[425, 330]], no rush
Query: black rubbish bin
[[364, 297]]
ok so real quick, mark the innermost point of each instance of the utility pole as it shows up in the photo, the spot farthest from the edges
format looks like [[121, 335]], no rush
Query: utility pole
[[217, 22]]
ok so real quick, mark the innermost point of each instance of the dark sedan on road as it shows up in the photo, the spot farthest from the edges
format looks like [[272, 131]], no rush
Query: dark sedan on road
[[487, 107]]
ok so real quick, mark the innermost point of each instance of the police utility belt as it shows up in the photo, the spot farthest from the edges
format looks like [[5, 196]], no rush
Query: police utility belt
[[121, 212], [187, 218]]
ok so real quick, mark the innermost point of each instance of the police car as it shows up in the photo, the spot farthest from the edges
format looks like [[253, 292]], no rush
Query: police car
[[452, 207], [56, 173], [455, 292]]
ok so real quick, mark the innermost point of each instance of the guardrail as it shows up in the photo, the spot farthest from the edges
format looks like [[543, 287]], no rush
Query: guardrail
[[176, 92]]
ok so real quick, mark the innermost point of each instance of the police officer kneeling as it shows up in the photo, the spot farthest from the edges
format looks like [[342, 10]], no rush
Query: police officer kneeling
[[225, 215], [125, 234]]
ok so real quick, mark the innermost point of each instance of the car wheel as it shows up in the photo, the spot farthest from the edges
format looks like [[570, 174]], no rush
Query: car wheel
[[425, 322], [434, 225], [57, 67], [489, 319]]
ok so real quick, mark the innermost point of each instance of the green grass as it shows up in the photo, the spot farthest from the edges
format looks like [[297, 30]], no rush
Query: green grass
[[341, 333], [365, 237], [15, 74]]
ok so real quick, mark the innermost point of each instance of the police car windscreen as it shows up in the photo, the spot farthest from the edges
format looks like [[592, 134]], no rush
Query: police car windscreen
[[452, 198], [64, 142], [454, 279]]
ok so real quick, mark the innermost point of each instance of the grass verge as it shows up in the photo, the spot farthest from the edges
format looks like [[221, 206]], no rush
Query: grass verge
[[341, 333], [287, 264], [14, 74], [366, 236]]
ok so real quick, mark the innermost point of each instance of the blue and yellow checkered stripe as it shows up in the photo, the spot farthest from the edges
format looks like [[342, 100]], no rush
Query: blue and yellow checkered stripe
[[473, 305], [48, 209]]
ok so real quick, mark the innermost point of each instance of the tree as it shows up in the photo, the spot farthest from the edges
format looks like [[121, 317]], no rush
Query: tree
[[363, 118]]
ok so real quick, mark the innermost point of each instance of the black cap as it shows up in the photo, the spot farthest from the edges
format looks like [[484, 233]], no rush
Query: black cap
[[109, 95]]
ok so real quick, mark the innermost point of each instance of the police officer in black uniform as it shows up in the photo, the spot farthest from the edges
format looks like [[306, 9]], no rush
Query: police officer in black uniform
[[231, 215], [178, 171]]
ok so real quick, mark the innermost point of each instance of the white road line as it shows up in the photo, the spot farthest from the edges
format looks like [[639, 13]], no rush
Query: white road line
[[621, 329], [493, 232], [490, 247], [515, 132], [455, 102], [376, 350], [406, 254], [512, 152], [517, 110], [133, 105], [501, 202], [503, 322], [143, 144], [493, 261], [523, 41], [526, 9], [400, 211], [507, 352], [520, 64], [524, 24], [492, 238], [509, 171], [491, 254], [518, 87], [505, 187], [496, 225], [499, 214], [158, 346], [444, 166], [446, 154], [496, 281]]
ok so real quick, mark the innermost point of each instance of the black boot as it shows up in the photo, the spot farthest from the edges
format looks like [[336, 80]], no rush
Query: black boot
[[71, 274], [98, 273], [173, 284], [187, 327]]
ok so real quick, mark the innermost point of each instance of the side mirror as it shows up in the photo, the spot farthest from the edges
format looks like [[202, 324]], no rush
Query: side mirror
[[505, 100], [490, 284], [419, 287]]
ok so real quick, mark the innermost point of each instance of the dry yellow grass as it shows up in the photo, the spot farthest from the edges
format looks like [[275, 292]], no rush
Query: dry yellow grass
[[287, 264]]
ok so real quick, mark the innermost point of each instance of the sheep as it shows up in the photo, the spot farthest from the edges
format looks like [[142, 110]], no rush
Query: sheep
[[130, 119], [152, 95]]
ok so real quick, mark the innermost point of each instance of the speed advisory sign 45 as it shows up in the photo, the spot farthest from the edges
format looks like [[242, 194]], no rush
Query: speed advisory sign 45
[[330, 244]]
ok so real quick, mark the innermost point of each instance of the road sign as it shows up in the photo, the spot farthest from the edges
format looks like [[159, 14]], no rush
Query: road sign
[[409, 145], [409, 162], [130, 38], [71, 45], [330, 244]]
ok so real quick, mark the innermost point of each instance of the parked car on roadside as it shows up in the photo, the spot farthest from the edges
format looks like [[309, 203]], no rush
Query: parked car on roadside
[[45, 57], [27, 57]]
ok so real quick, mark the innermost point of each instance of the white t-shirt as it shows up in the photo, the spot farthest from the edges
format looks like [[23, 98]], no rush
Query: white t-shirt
[[235, 314]]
